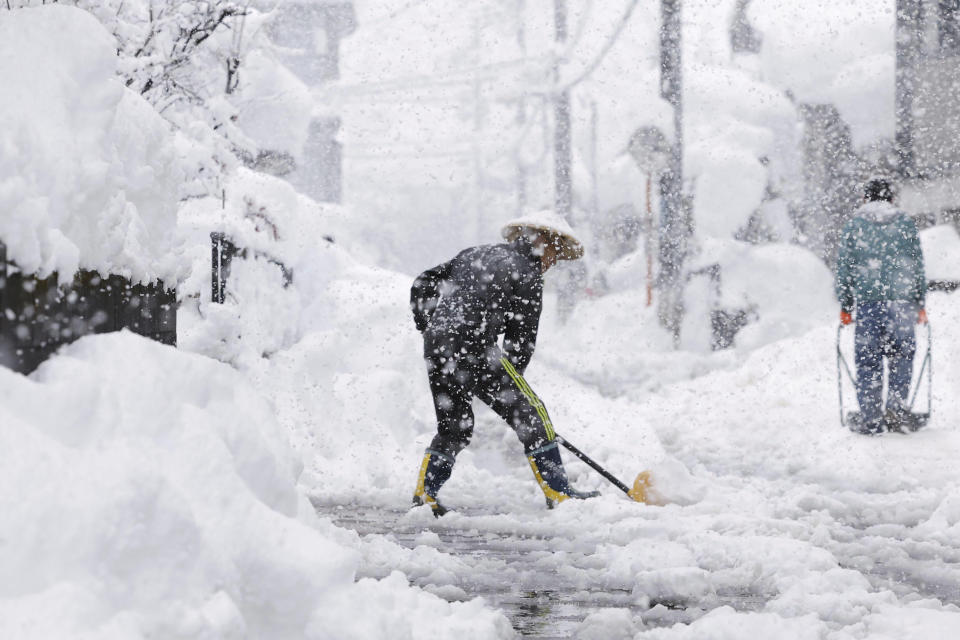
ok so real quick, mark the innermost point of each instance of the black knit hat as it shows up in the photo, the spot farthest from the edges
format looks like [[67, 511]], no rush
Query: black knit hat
[[878, 189]]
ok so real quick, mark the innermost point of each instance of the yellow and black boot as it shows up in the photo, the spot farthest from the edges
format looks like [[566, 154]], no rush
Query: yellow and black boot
[[434, 471], [552, 477]]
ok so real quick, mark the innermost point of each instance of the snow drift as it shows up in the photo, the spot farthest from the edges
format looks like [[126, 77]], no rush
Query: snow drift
[[152, 493]]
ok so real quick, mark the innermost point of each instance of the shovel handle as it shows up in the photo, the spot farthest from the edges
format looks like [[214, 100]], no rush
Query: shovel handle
[[596, 467]]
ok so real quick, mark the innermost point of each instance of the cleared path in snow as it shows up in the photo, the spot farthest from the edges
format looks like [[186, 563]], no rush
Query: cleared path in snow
[[549, 578], [788, 526], [506, 569]]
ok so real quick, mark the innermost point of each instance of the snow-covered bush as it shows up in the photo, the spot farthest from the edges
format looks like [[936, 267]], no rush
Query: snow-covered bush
[[280, 233], [208, 68], [89, 172]]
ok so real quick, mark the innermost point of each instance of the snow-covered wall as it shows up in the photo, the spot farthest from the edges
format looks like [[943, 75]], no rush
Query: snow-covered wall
[[89, 172]]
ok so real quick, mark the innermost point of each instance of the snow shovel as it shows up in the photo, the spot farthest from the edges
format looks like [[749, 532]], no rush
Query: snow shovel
[[640, 484], [918, 420]]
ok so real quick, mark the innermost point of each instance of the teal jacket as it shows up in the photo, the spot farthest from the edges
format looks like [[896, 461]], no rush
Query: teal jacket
[[880, 258]]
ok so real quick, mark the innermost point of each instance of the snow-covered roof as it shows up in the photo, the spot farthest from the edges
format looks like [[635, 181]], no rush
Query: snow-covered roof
[[89, 174]]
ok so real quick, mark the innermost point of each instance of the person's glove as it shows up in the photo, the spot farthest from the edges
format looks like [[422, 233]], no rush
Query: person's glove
[[845, 318], [922, 316]]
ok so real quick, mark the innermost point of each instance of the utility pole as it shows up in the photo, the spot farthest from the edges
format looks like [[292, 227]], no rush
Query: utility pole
[[652, 153], [676, 225], [594, 179], [561, 114], [909, 39], [648, 240], [521, 117], [478, 177]]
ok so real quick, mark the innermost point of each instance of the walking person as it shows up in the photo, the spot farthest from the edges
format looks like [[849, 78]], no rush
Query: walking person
[[462, 307], [881, 283]]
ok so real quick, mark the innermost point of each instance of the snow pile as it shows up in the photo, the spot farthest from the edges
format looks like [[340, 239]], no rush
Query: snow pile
[[151, 493], [609, 624], [786, 289], [830, 52], [269, 94], [741, 132], [89, 174], [617, 342], [284, 236], [941, 252]]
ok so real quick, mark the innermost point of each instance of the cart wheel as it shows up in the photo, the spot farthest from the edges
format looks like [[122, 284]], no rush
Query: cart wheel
[[918, 421]]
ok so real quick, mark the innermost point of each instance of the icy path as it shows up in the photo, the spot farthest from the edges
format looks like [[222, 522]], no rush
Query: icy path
[[500, 564], [504, 562]]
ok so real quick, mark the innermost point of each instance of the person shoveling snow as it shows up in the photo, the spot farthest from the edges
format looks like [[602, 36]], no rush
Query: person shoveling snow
[[462, 307]]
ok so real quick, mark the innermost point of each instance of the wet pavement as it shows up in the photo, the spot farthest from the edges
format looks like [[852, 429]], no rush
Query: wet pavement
[[504, 568]]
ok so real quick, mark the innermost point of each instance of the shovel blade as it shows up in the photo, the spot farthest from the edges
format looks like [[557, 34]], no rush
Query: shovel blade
[[640, 487]]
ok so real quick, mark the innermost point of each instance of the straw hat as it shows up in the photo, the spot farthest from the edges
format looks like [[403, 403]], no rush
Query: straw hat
[[549, 222]]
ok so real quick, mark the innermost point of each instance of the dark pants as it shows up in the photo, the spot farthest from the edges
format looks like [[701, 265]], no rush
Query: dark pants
[[459, 372], [884, 330]]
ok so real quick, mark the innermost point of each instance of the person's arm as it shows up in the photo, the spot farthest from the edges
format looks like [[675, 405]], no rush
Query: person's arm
[[425, 293], [522, 322], [845, 273]]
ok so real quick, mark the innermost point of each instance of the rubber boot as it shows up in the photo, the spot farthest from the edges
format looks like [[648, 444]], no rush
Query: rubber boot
[[434, 471], [552, 477]]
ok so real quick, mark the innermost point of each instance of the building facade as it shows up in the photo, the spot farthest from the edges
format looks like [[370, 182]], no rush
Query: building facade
[[928, 107]]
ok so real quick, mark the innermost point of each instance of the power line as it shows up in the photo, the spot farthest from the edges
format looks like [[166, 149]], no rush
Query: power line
[[453, 77], [470, 12], [395, 13], [606, 48]]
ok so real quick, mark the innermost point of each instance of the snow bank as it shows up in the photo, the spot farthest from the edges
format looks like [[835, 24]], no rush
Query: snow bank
[[275, 225], [269, 94], [726, 624], [786, 288], [617, 342], [151, 493], [733, 121], [941, 252], [829, 52], [89, 176]]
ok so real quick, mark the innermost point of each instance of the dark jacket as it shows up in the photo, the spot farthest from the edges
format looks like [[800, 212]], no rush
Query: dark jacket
[[482, 293], [880, 259]]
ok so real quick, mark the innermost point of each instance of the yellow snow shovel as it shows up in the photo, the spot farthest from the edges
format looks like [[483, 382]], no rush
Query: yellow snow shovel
[[640, 485]]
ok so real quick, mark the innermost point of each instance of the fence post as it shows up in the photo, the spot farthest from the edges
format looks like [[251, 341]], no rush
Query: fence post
[[222, 251]]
